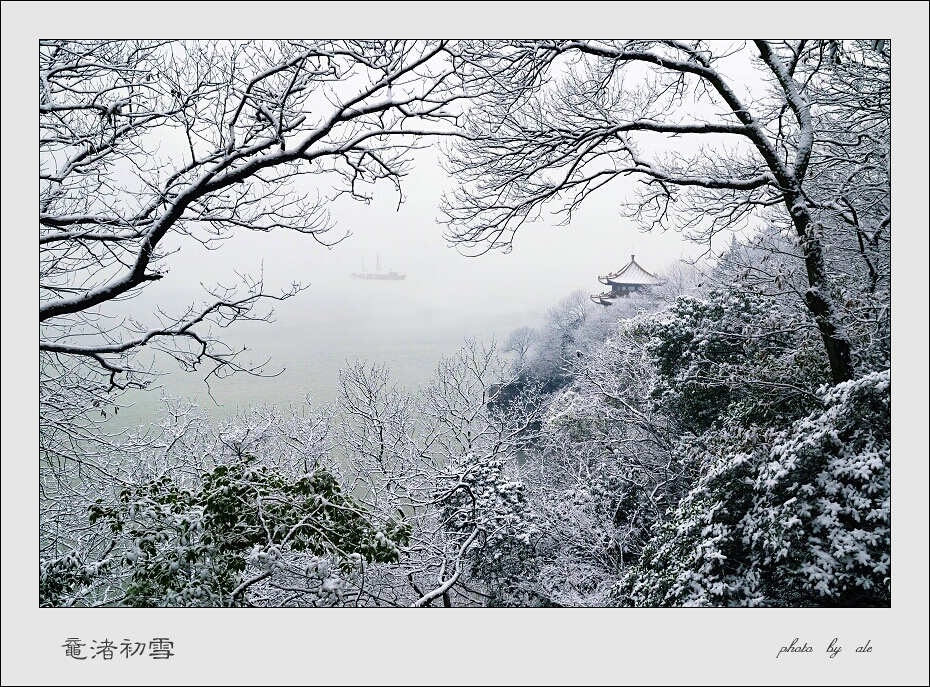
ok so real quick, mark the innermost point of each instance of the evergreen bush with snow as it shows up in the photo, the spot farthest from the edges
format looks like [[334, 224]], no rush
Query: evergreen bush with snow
[[206, 541], [821, 523], [794, 517]]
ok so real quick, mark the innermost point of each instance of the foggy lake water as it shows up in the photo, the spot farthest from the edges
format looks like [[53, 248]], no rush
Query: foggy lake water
[[407, 325], [317, 333]]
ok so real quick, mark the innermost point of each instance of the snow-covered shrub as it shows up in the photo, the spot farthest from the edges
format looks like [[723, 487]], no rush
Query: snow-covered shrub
[[205, 543], [736, 355], [600, 473], [822, 519], [793, 516], [698, 557], [491, 499], [61, 577], [588, 530]]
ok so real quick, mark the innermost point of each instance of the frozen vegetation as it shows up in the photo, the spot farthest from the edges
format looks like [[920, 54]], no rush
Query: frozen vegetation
[[720, 440]]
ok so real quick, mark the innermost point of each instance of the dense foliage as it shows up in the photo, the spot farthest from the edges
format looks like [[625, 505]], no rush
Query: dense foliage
[[194, 544], [793, 517]]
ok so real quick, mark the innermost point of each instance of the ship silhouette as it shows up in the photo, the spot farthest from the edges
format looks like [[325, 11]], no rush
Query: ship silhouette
[[378, 274]]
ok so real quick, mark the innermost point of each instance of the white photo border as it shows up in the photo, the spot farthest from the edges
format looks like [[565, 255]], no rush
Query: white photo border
[[520, 646]]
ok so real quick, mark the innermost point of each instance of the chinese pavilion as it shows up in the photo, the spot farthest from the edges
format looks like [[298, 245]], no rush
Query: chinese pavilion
[[628, 279]]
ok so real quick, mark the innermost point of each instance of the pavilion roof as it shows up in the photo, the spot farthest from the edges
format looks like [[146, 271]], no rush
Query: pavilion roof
[[631, 273]]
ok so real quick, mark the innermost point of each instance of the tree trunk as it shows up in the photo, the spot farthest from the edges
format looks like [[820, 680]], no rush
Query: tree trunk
[[819, 296]]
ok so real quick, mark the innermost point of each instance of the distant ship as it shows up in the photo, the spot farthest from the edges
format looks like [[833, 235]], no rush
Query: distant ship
[[379, 274]]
